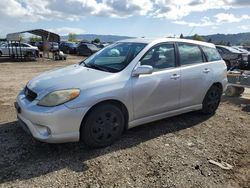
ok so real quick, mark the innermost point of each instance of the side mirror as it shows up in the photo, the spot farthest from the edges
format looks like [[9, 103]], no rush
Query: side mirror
[[143, 69]]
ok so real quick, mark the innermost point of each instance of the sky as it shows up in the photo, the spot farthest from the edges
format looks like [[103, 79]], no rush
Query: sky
[[137, 18]]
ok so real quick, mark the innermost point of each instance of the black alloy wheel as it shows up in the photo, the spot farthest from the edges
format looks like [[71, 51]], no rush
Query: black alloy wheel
[[103, 125], [211, 100]]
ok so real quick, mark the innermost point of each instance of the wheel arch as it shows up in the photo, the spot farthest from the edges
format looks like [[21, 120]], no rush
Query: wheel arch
[[217, 84], [115, 102]]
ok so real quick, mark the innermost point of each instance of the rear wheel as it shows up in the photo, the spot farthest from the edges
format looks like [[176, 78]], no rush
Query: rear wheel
[[1, 53], [211, 100], [102, 126]]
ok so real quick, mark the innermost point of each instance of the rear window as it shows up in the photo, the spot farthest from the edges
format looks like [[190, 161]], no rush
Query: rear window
[[211, 53], [189, 54]]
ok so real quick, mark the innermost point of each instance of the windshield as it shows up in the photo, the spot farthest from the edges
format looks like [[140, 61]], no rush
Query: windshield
[[92, 47], [114, 58], [71, 45], [232, 49]]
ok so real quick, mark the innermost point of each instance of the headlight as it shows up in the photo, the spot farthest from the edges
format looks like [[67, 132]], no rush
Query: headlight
[[59, 97]]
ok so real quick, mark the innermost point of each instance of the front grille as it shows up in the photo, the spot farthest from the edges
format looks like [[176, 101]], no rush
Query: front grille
[[30, 95]]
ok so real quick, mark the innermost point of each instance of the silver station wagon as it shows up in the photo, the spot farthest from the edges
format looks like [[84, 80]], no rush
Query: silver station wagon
[[129, 83]]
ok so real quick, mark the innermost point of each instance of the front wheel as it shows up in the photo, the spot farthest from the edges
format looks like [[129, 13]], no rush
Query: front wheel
[[102, 126], [211, 100]]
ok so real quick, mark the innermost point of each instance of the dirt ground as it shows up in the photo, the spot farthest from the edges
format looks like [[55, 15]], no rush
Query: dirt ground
[[173, 152]]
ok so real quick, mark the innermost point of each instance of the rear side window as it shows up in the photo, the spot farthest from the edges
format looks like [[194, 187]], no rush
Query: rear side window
[[211, 53], [160, 57], [189, 54]]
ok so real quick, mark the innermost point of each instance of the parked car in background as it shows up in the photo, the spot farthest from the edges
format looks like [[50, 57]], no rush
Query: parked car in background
[[244, 66], [129, 83], [246, 48], [52, 46], [233, 57], [68, 47], [86, 49], [18, 49], [241, 49]]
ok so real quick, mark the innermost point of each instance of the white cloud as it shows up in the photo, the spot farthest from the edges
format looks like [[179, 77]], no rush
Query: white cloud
[[220, 19], [15, 11], [204, 22], [244, 27], [33, 10], [230, 18]]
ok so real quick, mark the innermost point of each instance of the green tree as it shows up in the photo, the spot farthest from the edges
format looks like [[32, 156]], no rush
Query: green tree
[[228, 44], [209, 40], [246, 43], [35, 39], [181, 36], [21, 38], [198, 37], [72, 37], [96, 40]]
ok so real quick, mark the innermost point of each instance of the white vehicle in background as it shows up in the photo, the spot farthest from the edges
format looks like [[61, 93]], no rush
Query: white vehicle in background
[[18, 49]]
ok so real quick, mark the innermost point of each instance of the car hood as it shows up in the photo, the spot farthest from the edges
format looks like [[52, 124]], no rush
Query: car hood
[[74, 76]]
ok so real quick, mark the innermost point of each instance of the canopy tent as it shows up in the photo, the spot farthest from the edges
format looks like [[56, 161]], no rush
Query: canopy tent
[[16, 52], [45, 35]]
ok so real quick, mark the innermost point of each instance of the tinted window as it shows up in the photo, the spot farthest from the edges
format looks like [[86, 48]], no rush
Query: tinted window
[[160, 57], [222, 50], [92, 47], [189, 54], [211, 53]]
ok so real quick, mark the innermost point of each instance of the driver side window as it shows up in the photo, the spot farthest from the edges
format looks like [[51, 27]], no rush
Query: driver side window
[[160, 57]]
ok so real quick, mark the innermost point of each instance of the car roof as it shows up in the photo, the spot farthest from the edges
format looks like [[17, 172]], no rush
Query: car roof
[[159, 40], [229, 48]]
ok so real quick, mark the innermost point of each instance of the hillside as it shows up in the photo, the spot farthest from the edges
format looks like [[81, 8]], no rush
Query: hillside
[[234, 39], [103, 38]]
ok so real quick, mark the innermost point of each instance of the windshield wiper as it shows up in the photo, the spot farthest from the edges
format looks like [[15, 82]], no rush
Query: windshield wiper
[[97, 67]]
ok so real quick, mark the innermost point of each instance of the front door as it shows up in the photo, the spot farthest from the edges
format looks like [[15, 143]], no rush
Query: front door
[[157, 92]]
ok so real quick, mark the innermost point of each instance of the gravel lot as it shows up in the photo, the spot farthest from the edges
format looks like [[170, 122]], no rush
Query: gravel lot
[[173, 152]]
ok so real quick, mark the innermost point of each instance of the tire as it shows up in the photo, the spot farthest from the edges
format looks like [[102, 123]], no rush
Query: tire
[[102, 126], [231, 91], [240, 90], [1, 53], [212, 100]]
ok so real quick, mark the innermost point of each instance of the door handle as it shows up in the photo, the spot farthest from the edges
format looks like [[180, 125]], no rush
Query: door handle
[[206, 70], [175, 76]]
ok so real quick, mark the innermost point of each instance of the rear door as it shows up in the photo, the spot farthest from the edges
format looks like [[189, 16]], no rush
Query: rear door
[[196, 74]]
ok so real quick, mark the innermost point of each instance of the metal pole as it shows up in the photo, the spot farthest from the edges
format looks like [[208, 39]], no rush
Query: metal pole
[[12, 50], [8, 46], [16, 49], [21, 57]]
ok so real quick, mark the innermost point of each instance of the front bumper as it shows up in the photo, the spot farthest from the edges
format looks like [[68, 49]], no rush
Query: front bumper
[[58, 124]]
